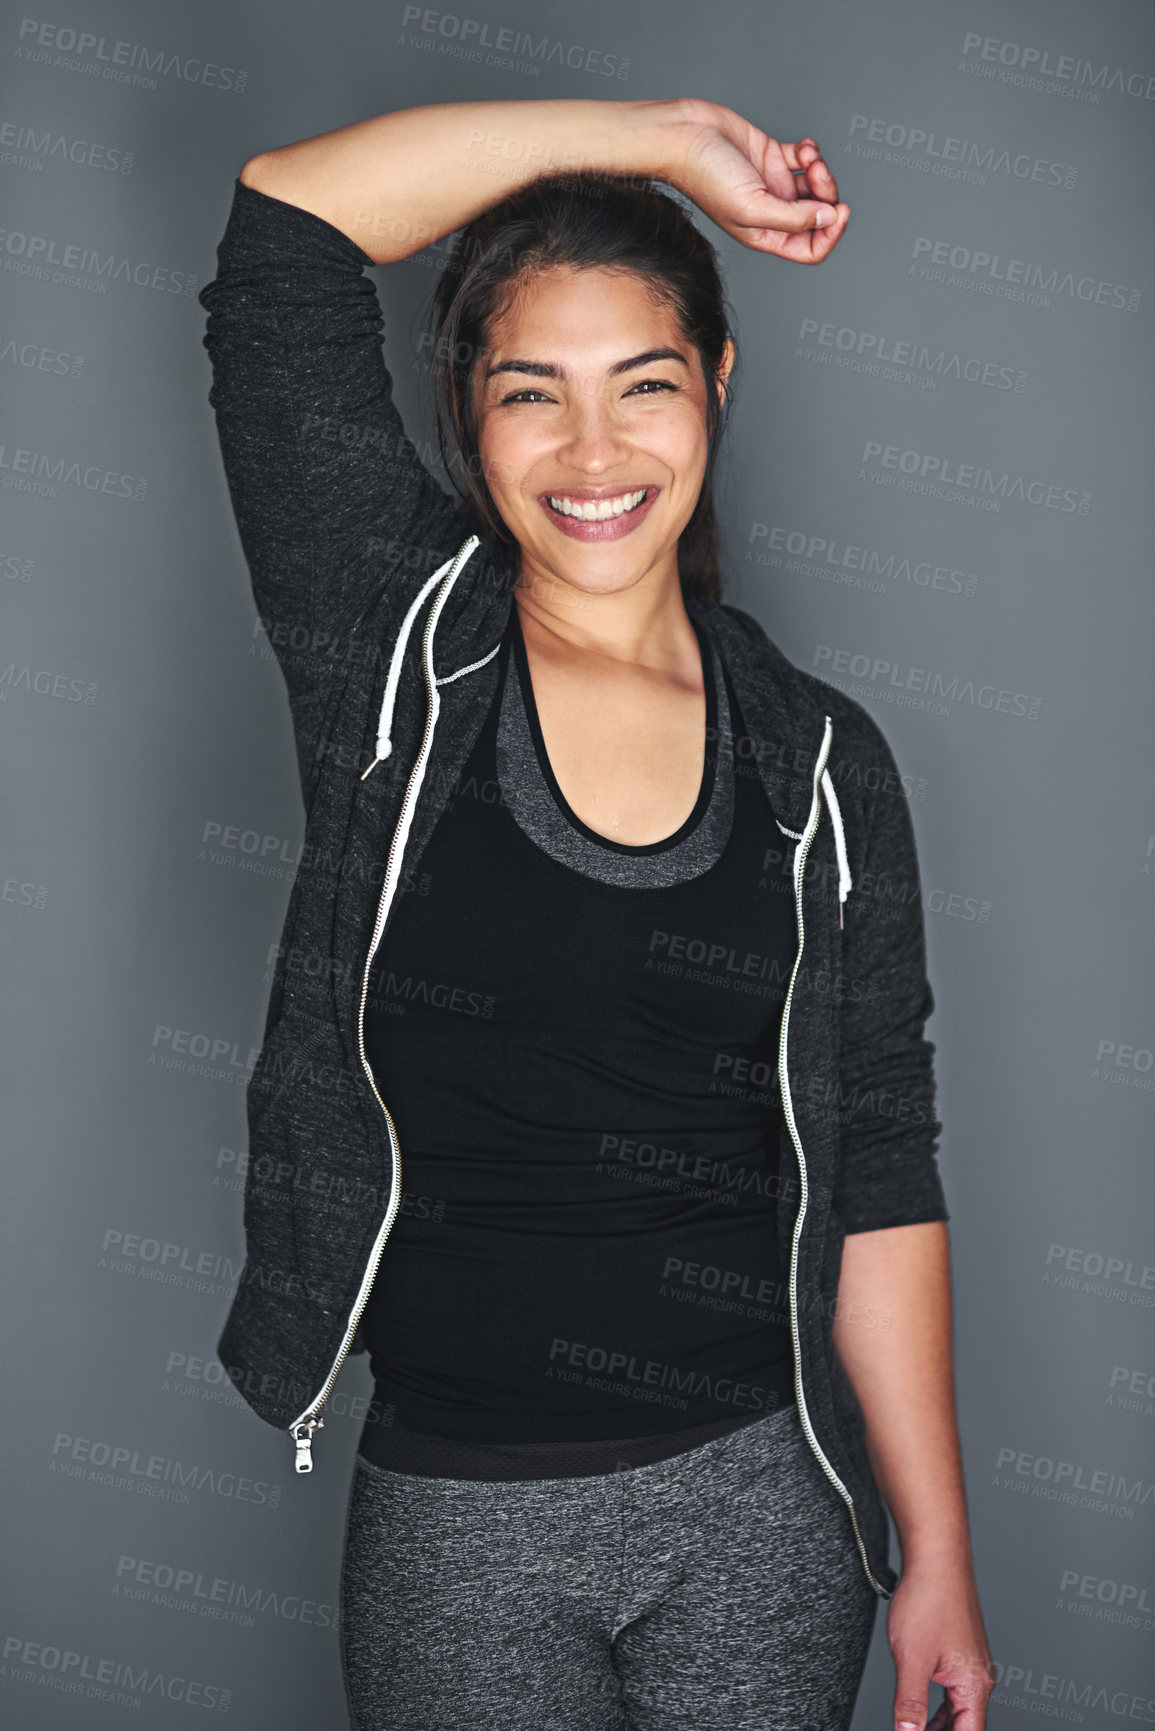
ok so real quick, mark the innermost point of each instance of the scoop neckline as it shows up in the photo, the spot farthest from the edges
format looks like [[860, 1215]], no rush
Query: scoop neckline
[[709, 764]]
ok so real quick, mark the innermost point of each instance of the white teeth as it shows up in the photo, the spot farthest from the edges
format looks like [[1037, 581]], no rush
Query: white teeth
[[593, 510]]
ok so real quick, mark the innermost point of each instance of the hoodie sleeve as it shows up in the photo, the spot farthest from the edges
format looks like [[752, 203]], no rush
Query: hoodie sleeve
[[888, 1171], [330, 496]]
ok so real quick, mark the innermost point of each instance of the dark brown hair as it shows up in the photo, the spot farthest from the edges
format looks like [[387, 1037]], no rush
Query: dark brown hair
[[582, 219]]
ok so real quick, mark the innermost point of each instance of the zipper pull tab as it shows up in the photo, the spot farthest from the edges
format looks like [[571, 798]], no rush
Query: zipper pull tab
[[302, 1435]]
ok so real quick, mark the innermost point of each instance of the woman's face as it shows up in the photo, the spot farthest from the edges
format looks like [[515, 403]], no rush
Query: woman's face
[[569, 409]]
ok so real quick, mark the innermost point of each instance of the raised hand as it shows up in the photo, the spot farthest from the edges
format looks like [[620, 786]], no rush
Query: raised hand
[[771, 196]]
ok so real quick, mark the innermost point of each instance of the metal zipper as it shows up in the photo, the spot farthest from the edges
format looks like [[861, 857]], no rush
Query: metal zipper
[[788, 1107], [302, 1428]]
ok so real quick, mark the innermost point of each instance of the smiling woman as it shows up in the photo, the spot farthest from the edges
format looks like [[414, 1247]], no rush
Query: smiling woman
[[635, 1409], [606, 296], [583, 359]]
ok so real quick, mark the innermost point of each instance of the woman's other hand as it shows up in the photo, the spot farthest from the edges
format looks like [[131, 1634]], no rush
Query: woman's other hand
[[771, 196], [936, 1634]]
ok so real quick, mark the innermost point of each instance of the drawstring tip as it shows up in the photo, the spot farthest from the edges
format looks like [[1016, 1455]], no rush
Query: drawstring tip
[[840, 907], [384, 750]]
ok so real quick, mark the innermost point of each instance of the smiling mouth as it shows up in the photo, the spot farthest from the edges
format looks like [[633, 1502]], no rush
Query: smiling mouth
[[596, 510]]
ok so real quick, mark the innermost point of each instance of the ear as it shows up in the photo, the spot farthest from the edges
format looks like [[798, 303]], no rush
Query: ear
[[724, 368]]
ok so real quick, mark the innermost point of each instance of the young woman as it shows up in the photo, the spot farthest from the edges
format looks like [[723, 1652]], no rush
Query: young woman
[[608, 916]]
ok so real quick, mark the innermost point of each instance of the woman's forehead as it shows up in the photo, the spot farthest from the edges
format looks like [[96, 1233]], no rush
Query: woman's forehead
[[590, 312]]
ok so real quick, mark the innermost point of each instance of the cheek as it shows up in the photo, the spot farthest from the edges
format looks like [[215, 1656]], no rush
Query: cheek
[[507, 454], [686, 439], [677, 439]]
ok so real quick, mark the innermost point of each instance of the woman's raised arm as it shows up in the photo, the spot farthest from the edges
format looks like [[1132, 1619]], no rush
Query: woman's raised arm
[[330, 497], [398, 182], [401, 181]]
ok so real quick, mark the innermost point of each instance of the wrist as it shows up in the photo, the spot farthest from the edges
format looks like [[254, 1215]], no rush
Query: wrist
[[660, 132], [944, 1553]]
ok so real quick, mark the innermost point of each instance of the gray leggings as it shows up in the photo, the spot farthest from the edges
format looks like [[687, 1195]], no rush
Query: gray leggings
[[721, 1587]]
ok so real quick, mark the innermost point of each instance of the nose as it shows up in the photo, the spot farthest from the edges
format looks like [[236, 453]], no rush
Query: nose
[[592, 439]]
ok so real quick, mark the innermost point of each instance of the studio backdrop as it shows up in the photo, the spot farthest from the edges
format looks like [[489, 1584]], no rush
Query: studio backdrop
[[936, 495]]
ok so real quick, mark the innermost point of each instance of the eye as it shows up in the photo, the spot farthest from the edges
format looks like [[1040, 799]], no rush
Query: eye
[[531, 391]]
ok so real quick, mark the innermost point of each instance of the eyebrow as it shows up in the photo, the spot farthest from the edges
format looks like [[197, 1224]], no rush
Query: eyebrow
[[550, 369]]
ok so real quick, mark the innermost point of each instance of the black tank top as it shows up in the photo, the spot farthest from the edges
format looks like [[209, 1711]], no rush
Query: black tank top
[[577, 1041]]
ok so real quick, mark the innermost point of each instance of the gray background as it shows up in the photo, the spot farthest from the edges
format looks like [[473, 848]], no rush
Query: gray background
[[143, 716]]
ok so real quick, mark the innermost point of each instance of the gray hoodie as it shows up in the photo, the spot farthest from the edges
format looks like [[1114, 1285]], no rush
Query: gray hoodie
[[384, 604]]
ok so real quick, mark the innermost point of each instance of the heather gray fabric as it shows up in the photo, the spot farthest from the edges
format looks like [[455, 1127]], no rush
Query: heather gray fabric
[[721, 1588], [533, 808], [342, 524]]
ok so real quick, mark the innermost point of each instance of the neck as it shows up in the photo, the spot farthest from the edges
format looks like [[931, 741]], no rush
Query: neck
[[646, 623]]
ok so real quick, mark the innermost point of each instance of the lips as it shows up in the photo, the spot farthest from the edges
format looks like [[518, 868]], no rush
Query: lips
[[612, 528]]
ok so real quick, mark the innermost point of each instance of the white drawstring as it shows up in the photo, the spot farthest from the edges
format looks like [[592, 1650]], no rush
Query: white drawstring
[[385, 719], [845, 882], [448, 678]]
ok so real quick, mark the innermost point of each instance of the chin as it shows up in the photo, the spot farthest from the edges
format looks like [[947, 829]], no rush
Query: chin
[[600, 574]]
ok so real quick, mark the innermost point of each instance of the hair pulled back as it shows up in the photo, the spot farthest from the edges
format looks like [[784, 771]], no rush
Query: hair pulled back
[[581, 219]]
